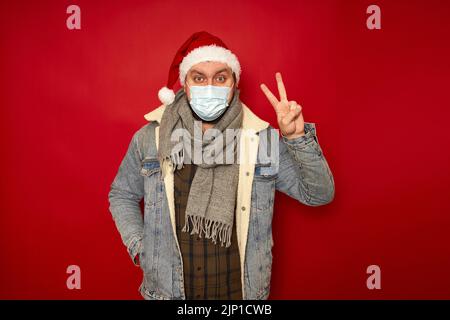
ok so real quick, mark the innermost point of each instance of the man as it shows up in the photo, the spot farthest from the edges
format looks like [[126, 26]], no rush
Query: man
[[206, 232]]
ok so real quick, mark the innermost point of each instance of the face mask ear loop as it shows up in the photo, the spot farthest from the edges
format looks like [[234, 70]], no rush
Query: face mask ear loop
[[234, 92]]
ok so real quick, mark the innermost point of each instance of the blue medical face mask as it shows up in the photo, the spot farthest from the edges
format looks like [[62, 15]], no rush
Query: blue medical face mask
[[209, 102]]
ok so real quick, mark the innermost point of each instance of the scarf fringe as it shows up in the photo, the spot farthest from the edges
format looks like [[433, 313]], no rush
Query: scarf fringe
[[210, 229]]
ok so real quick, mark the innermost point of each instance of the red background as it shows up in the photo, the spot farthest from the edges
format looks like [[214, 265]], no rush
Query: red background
[[71, 100]]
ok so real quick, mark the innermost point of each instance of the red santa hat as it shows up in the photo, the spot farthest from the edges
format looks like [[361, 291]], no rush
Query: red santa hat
[[200, 47]]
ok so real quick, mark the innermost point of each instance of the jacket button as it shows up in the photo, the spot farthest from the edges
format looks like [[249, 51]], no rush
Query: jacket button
[[243, 208], [247, 173]]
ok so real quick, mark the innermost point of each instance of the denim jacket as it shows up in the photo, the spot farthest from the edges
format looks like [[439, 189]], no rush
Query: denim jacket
[[300, 171]]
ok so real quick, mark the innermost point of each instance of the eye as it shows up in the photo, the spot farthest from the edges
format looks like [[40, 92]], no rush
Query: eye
[[221, 78], [198, 78]]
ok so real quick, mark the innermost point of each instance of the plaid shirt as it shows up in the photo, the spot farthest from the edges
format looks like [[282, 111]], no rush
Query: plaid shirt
[[210, 271]]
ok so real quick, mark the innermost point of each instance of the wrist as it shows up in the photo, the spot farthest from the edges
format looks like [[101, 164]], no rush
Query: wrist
[[294, 135]]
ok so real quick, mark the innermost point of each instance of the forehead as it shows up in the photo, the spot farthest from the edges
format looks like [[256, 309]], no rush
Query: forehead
[[210, 67]]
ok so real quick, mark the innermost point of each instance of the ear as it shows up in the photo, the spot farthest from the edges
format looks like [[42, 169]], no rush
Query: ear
[[186, 90]]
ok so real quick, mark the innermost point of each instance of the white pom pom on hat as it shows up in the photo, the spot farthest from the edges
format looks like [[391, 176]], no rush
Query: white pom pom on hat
[[201, 46], [166, 95]]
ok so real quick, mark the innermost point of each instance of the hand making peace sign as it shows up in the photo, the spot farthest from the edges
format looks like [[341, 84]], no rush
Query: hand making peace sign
[[289, 113]]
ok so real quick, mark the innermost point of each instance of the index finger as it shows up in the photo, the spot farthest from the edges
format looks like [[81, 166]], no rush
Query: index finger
[[270, 96]]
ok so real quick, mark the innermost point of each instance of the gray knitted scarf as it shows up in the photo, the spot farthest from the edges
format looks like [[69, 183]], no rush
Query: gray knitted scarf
[[212, 196]]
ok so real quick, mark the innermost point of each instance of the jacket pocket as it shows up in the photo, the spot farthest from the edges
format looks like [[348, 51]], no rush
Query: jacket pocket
[[151, 171], [149, 166]]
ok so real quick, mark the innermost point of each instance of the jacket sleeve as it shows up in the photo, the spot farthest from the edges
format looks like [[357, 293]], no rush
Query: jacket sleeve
[[127, 191], [304, 173]]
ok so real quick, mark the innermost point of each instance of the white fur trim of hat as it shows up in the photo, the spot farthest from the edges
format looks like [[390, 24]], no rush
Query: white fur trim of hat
[[209, 53]]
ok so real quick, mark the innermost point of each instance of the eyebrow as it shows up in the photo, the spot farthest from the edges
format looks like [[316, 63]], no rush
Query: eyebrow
[[197, 71]]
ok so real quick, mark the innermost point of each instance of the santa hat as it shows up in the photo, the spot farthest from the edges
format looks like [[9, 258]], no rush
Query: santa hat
[[200, 47]]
